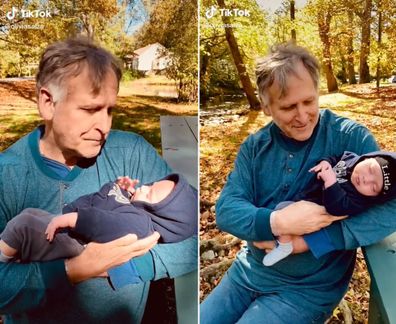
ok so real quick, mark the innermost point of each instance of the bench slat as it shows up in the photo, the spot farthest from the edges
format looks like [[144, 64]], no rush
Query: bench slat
[[381, 263], [179, 145], [179, 137]]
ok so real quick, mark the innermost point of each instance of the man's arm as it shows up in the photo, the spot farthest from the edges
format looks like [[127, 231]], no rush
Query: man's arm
[[28, 286], [235, 209], [97, 258], [159, 263], [364, 229], [24, 286], [237, 214]]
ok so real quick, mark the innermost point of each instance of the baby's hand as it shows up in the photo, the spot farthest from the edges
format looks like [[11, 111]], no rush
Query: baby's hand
[[62, 221], [325, 172], [51, 230], [127, 184], [322, 165]]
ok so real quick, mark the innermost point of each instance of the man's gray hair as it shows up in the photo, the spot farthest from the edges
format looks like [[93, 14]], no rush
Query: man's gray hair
[[279, 64], [66, 59]]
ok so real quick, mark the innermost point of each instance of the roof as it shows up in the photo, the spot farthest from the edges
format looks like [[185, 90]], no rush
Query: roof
[[141, 50]]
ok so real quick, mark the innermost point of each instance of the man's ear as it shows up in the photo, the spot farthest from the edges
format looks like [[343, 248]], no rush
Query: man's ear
[[46, 104], [265, 109]]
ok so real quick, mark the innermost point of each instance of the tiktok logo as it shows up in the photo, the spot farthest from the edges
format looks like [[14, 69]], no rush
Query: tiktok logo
[[11, 14], [210, 12], [25, 13]]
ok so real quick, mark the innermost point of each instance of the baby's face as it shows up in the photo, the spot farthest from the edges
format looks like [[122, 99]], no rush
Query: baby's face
[[367, 177], [155, 193]]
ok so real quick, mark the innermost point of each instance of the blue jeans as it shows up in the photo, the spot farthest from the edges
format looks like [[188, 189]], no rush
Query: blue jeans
[[232, 303]]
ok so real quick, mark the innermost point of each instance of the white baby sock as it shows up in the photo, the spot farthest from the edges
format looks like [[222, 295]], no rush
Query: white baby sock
[[279, 253]]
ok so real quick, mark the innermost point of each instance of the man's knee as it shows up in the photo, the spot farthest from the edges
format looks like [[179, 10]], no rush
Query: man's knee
[[225, 304]]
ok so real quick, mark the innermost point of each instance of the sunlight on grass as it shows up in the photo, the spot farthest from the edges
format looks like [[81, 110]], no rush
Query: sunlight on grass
[[337, 100], [19, 115]]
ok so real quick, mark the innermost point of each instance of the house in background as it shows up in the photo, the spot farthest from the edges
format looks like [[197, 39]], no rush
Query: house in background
[[151, 59], [129, 60]]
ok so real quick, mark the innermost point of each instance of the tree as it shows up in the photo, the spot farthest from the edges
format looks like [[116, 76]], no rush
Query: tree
[[350, 51], [27, 37], [324, 12], [364, 72], [379, 40], [239, 64], [292, 18], [173, 23]]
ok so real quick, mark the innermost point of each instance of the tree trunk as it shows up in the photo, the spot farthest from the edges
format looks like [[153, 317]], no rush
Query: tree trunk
[[292, 18], [343, 73], [364, 72], [203, 78], [324, 19], [350, 53], [379, 39], [88, 26], [237, 57]]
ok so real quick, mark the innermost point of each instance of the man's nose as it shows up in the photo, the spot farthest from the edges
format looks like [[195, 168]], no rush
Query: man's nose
[[302, 115], [103, 122]]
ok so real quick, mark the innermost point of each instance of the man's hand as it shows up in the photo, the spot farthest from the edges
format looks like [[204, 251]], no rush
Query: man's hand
[[97, 258], [299, 245], [300, 218]]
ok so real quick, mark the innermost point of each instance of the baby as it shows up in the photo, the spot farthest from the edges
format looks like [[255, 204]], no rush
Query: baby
[[354, 184], [168, 206]]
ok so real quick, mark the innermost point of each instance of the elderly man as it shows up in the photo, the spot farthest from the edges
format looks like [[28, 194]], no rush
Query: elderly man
[[74, 153], [272, 166]]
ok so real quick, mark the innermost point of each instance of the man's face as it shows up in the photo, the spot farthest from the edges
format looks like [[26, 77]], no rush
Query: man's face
[[367, 177], [297, 113], [81, 121]]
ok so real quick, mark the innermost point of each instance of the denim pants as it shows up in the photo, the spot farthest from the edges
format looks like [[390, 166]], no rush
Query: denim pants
[[232, 303]]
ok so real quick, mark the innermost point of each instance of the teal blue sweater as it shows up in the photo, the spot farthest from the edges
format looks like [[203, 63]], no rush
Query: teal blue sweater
[[41, 292], [270, 169]]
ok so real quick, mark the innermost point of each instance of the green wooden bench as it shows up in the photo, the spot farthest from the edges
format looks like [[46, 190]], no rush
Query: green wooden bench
[[179, 138], [381, 263]]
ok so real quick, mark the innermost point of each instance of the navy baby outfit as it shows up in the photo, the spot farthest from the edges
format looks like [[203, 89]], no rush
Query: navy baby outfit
[[109, 214], [342, 198]]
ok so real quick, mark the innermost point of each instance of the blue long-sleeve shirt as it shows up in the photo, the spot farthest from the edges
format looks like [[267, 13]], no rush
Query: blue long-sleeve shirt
[[41, 292], [271, 168]]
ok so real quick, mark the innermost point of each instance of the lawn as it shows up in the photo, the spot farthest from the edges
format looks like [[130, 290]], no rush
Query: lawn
[[137, 113]]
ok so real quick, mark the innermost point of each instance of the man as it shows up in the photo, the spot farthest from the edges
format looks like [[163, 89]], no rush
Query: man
[[272, 166], [74, 154]]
